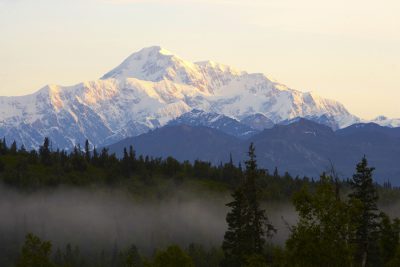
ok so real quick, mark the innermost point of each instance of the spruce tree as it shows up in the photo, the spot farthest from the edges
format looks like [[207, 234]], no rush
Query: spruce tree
[[3, 147], [44, 152], [364, 199], [257, 224], [13, 148], [125, 163], [95, 158], [87, 151], [248, 225], [276, 173], [233, 244]]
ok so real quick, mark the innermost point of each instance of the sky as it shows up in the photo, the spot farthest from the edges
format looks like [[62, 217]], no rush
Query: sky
[[348, 50]]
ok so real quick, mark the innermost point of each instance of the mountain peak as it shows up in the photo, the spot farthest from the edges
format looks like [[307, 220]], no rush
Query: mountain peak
[[152, 87], [385, 121], [209, 64], [145, 64], [154, 50], [157, 64]]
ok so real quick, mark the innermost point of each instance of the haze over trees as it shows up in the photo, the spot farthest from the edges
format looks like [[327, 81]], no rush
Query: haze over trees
[[340, 223]]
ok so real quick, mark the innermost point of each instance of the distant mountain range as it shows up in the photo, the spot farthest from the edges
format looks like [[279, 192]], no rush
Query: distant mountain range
[[166, 105], [152, 88], [301, 148]]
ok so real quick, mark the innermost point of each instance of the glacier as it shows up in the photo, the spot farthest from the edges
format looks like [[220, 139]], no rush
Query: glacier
[[149, 89]]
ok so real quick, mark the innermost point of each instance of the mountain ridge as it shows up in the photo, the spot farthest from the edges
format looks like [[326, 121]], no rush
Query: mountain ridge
[[303, 148], [147, 90]]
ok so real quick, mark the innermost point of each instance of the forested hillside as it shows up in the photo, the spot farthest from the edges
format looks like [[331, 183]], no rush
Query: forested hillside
[[302, 147], [336, 222]]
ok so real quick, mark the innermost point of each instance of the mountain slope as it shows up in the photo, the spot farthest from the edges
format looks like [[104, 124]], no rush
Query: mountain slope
[[149, 89], [258, 122], [385, 121], [301, 148], [216, 121], [307, 148], [182, 142]]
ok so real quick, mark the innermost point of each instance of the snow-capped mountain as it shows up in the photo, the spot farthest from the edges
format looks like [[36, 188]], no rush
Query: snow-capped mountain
[[216, 121], [149, 89], [325, 119], [258, 122], [385, 121]]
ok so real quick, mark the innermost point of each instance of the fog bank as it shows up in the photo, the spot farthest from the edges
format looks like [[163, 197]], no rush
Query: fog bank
[[103, 218]]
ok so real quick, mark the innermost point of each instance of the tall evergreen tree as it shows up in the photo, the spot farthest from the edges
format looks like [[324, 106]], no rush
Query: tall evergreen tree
[[13, 148], [2, 166], [276, 173], [248, 225], [233, 244], [257, 223], [364, 198], [3, 147], [95, 158], [44, 152], [87, 151]]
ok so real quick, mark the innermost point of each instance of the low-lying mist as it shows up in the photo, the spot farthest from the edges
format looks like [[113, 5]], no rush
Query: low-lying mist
[[101, 218]]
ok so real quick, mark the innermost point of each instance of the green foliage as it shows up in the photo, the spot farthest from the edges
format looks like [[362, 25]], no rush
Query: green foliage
[[44, 152], [395, 261], [48, 168], [133, 258], [332, 230], [2, 166], [234, 238], [389, 239], [173, 256], [13, 148], [365, 218], [321, 236], [257, 223], [248, 225], [35, 253], [198, 255], [71, 257], [256, 260], [335, 232]]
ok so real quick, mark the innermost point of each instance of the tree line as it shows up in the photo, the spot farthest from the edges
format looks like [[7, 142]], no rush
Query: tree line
[[82, 166], [332, 230], [339, 223]]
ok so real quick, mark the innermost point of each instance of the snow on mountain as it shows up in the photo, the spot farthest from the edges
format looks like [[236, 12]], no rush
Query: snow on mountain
[[228, 91], [258, 122], [325, 119], [215, 121], [150, 88], [384, 121]]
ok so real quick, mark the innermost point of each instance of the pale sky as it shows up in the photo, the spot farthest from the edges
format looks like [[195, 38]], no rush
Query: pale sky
[[348, 50]]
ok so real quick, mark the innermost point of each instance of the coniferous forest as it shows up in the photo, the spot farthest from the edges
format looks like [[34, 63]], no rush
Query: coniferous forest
[[338, 221]]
